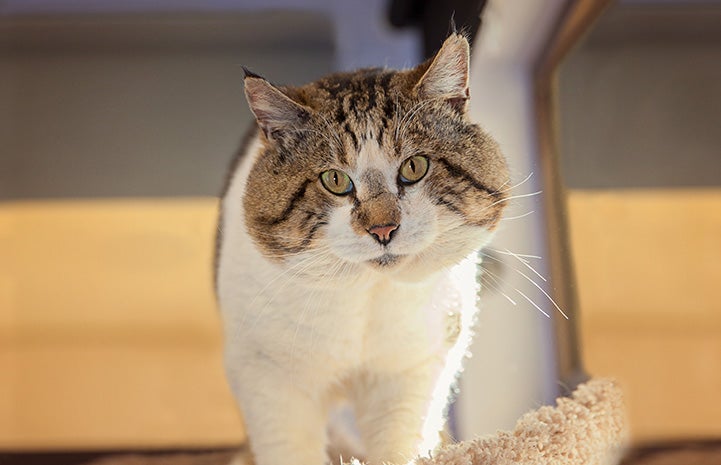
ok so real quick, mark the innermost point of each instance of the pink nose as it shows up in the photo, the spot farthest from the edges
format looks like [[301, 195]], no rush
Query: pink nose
[[383, 233]]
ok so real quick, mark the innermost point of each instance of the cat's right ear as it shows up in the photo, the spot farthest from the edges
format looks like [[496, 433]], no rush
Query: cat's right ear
[[273, 110], [447, 75]]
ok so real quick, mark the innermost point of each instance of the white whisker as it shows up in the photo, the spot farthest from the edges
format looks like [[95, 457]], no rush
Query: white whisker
[[526, 264], [517, 217], [497, 279], [519, 196], [509, 298], [496, 287], [544, 293], [485, 255], [518, 184], [330, 129], [533, 303], [503, 185], [408, 117], [519, 255]]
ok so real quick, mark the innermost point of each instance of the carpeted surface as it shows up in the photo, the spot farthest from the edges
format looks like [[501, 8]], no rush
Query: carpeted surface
[[677, 453], [681, 453], [219, 457]]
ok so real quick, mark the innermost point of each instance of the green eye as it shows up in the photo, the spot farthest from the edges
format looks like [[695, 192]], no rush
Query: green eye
[[337, 182], [413, 169]]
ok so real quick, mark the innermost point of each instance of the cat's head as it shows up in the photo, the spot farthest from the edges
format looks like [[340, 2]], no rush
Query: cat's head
[[375, 169]]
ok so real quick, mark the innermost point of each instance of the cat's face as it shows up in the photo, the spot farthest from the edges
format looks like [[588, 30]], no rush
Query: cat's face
[[377, 170]]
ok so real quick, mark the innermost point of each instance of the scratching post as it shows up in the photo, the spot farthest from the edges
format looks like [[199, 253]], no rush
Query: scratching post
[[588, 428]]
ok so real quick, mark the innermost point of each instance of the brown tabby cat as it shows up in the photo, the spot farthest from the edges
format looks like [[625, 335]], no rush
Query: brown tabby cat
[[347, 262]]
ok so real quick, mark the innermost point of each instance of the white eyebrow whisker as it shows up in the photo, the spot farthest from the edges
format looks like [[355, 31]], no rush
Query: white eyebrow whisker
[[330, 129], [408, 117]]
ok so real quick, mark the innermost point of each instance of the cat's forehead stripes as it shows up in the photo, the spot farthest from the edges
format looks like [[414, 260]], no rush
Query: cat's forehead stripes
[[362, 104], [357, 93]]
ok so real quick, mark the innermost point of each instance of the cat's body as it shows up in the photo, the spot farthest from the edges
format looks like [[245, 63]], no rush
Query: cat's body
[[347, 256]]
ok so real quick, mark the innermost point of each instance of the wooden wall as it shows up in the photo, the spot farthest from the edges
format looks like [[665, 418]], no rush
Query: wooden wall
[[109, 336], [648, 266]]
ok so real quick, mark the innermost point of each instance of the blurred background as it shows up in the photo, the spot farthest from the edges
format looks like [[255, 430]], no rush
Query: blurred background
[[117, 123], [639, 112]]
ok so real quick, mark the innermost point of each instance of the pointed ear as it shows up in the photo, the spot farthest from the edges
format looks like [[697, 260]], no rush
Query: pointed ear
[[447, 75], [273, 109]]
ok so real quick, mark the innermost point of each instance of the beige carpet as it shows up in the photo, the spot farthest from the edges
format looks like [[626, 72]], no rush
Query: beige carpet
[[690, 453], [684, 454], [207, 458]]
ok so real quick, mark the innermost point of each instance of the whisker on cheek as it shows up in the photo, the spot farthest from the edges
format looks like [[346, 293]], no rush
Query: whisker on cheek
[[515, 185], [533, 303], [522, 258], [517, 217], [544, 293], [512, 197], [520, 255], [525, 263]]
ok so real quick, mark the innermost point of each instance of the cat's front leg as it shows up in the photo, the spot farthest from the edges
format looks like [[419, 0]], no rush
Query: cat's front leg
[[283, 423], [392, 409]]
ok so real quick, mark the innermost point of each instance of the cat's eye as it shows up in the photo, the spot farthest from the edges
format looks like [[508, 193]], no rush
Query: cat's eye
[[336, 181], [413, 169]]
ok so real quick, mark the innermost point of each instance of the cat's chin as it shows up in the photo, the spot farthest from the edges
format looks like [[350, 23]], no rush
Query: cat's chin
[[387, 261], [401, 268]]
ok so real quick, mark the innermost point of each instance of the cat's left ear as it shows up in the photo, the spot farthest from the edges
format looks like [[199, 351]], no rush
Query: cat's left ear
[[273, 110], [447, 76]]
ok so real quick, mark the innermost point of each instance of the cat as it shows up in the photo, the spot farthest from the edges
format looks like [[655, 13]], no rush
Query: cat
[[347, 257]]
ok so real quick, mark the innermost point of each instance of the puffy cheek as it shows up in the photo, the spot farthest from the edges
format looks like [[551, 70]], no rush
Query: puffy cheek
[[343, 240], [419, 223]]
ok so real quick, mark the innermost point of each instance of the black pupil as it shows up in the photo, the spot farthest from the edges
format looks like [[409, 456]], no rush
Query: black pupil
[[412, 166], [335, 178]]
